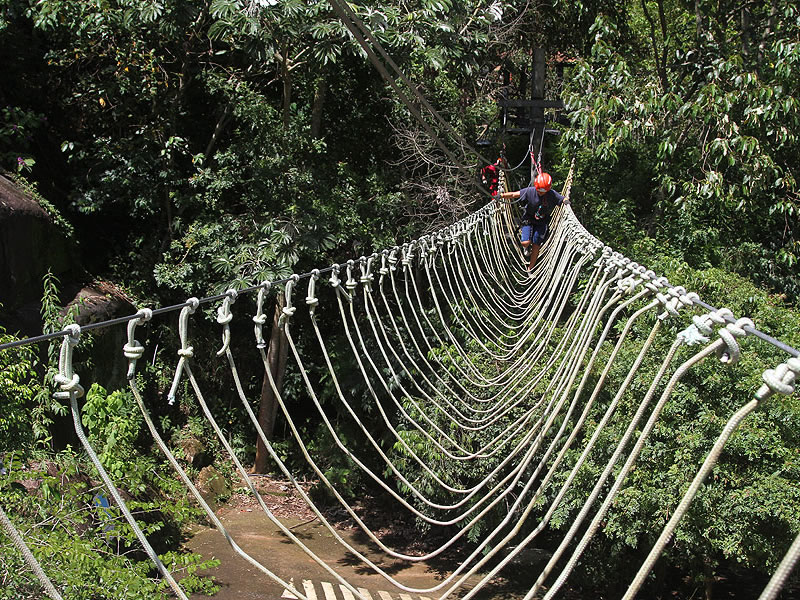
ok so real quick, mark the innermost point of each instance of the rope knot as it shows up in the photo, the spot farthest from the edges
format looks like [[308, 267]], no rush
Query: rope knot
[[702, 324], [69, 385], [689, 299], [289, 310], [670, 306], [66, 378], [74, 333], [224, 315], [652, 287], [737, 328], [780, 380], [311, 297], [693, 335], [731, 352], [627, 285], [334, 278], [144, 314], [133, 351], [185, 351]]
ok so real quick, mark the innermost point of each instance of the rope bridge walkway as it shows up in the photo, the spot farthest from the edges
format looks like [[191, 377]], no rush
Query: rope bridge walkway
[[469, 363]]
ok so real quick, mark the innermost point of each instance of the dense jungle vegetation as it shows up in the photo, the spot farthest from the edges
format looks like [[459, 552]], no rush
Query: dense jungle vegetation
[[187, 146]]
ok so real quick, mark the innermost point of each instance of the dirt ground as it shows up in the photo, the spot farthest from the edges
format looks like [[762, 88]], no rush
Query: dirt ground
[[262, 539]]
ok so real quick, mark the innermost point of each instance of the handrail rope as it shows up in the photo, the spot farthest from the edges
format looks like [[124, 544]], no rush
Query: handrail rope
[[215, 298]]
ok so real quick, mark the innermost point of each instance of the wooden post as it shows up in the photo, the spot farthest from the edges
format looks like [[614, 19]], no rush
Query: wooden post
[[537, 113]]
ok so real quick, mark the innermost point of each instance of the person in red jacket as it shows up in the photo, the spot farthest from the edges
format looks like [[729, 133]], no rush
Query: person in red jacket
[[490, 175]]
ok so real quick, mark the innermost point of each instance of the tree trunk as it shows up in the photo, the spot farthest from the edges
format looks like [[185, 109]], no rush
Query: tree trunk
[[277, 353], [658, 57], [698, 21], [708, 579], [539, 67], [319, 102], [747, 30], [767, 32], [287, 89]]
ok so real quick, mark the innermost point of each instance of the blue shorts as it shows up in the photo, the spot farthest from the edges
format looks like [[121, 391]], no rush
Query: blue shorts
[[536, 233]]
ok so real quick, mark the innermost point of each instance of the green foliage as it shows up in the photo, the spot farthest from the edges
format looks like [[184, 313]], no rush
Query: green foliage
[[710, 124], [113, 422], [17, 127], [18, 382], [44, 405], [82, 547]]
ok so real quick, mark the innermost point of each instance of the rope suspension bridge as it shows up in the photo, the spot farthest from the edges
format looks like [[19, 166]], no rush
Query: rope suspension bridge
[[466, 355]]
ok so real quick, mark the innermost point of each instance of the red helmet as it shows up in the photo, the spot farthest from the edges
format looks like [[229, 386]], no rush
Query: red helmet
[[543, 181]]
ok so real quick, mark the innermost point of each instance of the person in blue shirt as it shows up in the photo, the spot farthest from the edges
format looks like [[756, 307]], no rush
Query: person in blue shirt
[[538, 203]]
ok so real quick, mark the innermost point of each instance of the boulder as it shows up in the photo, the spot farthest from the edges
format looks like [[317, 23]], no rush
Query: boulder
[[194, 451], [30, 245], [212, 486]]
